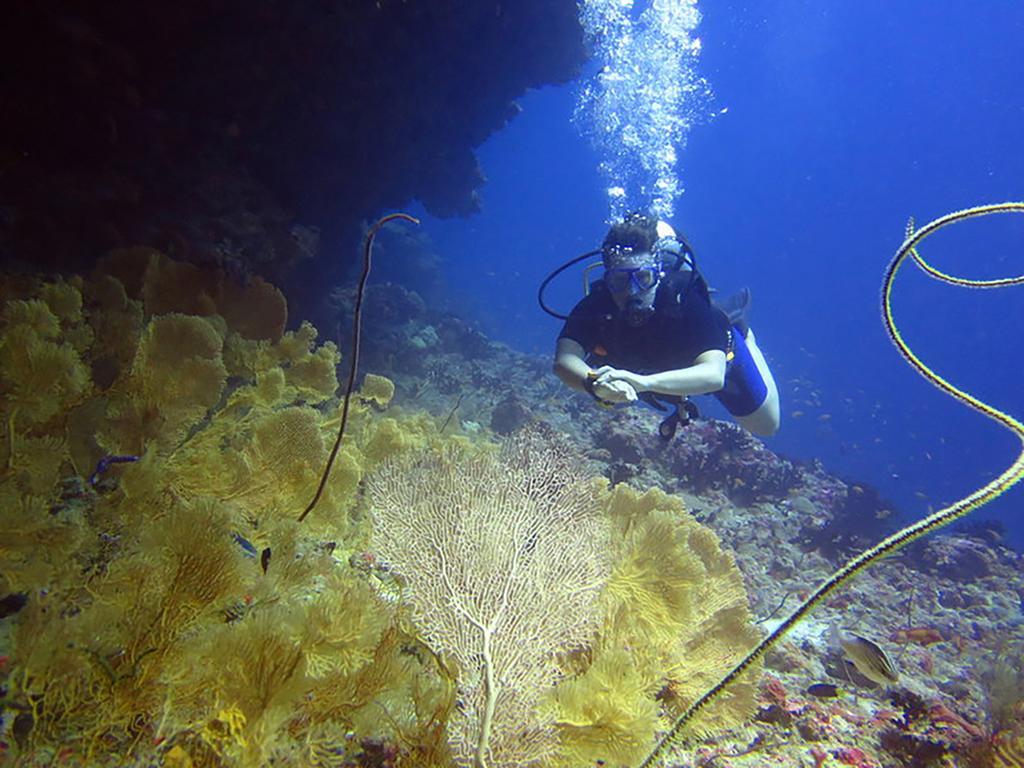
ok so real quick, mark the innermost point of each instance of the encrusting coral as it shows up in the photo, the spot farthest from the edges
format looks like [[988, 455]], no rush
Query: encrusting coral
[[157, 446]]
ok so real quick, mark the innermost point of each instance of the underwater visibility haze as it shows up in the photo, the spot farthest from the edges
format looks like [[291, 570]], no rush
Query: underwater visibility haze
[[286, 474]]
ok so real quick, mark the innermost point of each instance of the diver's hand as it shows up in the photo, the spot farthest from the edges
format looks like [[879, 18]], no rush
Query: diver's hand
[[607, 375], [615, 391]]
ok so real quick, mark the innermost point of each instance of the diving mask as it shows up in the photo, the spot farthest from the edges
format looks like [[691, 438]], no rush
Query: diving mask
[[632, 279]]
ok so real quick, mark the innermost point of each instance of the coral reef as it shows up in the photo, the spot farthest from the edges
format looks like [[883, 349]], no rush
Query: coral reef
[[129, 577], [164, 605], [786, 537], [149, 522]]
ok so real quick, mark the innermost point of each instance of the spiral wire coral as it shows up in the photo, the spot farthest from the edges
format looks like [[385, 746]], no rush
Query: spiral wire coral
[[937, 520]]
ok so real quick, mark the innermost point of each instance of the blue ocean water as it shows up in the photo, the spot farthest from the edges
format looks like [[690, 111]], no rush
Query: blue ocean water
[[841, 121]]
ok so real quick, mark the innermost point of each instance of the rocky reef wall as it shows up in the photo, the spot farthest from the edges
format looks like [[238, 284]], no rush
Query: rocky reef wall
[[254, 135]]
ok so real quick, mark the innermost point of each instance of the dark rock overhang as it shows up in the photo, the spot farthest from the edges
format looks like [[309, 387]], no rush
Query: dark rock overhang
[[212, 128]]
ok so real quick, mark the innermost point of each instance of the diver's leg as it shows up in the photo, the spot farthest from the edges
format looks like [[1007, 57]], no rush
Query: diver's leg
[[765, 420]]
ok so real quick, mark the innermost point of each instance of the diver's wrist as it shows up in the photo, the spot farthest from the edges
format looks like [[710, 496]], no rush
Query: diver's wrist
[[588, 387]]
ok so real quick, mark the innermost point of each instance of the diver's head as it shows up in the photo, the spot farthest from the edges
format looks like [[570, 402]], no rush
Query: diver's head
[[632, 266]]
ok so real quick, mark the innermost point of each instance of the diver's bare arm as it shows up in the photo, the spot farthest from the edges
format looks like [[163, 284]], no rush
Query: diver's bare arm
[[707, 374], [569, 364]]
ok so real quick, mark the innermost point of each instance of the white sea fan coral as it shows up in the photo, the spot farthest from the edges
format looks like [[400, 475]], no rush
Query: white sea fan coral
[[504, 557]]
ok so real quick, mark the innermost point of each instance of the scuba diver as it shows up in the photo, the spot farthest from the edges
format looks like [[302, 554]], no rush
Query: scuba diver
[[650, 331]]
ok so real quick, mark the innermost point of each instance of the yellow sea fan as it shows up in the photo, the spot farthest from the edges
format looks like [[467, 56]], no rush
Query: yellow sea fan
[[271, 389], [185, 566], [67, 689], [286, 455], [129, 266], [170, 339], [252, 681], [296, 344], [38, 462], [215, 461], [255, 310], [32, 314], [377, 389], [652, 587], [38, 377], [35, 547], [132, 426], [628, 507], [268, 392], [296, 563], [178, 370], [334, 516], [80, 337], [390, 437], [83, 423], [338, 697], [174, 286], [219, 324], [177, 757], [343, 626], [678, 597], [719, 635], [313, 375], [116, 322], [15, 285], [105, 293], [607, 714], [64, 300], [248, 357], [142, 480]]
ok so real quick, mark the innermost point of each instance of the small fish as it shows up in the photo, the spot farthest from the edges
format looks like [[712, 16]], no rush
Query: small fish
[[265, 559], [869, 659], [245, 544], [824, 690]]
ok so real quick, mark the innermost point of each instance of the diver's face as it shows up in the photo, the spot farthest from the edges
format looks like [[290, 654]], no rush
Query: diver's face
[[633, 283]]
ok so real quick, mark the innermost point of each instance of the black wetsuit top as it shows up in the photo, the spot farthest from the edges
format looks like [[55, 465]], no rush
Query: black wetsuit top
[[683, 326]]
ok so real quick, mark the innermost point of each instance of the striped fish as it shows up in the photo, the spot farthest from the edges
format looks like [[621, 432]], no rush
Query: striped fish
[[869, 659]]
